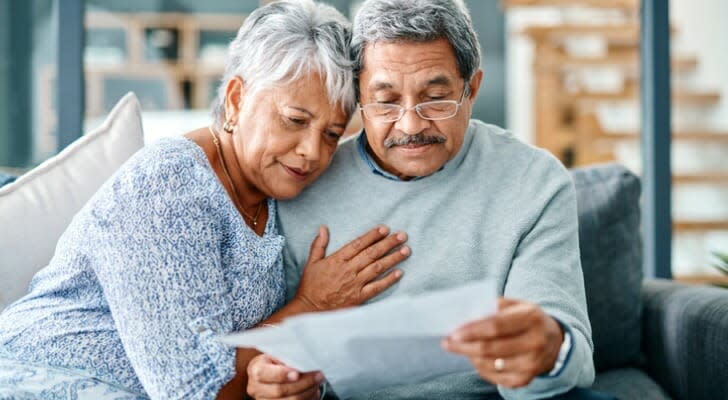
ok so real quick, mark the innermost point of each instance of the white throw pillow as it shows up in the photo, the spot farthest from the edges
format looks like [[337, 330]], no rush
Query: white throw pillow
[[37, 207]]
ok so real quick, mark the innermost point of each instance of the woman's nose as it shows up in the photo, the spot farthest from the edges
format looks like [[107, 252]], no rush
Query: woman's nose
[[309, 146]]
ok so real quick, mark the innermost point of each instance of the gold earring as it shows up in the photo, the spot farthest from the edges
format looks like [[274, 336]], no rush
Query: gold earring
[[228, 127]]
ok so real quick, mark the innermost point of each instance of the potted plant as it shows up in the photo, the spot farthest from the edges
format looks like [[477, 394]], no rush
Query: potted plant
[[720, 262]]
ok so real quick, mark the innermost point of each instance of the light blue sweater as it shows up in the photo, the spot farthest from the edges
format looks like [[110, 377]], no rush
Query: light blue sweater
[[499, 209]]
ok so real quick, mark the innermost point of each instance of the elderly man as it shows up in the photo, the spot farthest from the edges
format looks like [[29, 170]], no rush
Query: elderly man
[[475, 201]]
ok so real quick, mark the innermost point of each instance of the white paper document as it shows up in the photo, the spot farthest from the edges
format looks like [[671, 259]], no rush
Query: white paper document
[[394, 341]]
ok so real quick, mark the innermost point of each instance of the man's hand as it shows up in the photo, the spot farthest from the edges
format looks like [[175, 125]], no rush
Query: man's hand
[[511, 347], [268, 378]]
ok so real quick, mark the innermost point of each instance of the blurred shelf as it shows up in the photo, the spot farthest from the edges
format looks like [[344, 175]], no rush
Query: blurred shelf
[[630, 5], [692, 135], [700, 226], [625, 61], [716, 178], [177, 69], [623, 33], [683, 97], [703, 279]]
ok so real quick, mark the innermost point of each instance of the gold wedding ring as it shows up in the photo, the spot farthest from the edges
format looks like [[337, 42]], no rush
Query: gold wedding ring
[[499, 364]]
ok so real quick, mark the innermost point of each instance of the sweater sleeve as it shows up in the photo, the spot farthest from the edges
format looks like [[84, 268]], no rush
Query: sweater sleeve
[[159, 264], [546, 270]]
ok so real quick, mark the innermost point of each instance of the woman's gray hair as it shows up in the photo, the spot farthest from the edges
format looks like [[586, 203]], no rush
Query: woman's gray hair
[[418, 21], [286, 40]]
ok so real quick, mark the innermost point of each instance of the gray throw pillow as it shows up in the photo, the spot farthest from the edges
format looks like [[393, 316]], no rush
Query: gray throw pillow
[[611, 255]]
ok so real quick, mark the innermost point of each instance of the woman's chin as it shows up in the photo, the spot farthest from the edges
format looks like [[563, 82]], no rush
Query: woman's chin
[[286, 193]]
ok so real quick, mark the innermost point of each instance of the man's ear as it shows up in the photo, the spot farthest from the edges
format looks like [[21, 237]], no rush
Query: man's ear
[[234, 98], [475, 84]]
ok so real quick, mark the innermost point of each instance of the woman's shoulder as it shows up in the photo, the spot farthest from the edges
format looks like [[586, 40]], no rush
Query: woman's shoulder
[[168, 153], [168, 162], [171, 169]]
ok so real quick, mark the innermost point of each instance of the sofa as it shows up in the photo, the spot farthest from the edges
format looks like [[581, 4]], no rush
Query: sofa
[[653, 339]]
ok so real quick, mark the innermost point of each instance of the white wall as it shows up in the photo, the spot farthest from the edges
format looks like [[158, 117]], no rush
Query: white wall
[[703, 31]]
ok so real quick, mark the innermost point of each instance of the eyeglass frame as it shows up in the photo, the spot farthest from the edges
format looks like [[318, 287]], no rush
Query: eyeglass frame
[[416, 107]]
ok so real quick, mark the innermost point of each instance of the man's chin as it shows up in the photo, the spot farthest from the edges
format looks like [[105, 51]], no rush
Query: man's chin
[[410, 165], [409, 172]]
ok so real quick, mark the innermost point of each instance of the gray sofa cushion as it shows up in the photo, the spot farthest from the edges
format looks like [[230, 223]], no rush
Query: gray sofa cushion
[[629, 384], [685, 339], [610, 244]]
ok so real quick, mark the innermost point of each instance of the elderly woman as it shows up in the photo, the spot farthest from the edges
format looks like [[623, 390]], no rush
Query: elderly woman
[[180, 245]]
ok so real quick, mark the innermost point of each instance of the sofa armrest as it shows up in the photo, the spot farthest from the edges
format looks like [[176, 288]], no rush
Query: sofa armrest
[[685, 338]]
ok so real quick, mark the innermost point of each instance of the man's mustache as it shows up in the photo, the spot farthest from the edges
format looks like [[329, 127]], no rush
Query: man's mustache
[[419, 139]]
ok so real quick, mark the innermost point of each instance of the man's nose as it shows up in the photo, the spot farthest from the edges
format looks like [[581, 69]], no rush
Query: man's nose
[[411, 123]]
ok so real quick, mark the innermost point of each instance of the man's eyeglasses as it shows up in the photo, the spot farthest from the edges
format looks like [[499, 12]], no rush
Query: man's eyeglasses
[[430, 110]]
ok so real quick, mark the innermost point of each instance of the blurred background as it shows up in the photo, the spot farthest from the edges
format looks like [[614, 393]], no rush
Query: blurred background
[[560, 74]]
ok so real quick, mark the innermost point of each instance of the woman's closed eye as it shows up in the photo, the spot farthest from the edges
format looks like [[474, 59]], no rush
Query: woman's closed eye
[[333, 136], [297, 121]]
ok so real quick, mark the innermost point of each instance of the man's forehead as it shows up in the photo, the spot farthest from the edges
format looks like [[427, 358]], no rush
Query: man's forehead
[[388, 65], [380, 83]]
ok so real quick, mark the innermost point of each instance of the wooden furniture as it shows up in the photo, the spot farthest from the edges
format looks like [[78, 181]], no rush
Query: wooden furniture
[[173, 61], [190, 77]]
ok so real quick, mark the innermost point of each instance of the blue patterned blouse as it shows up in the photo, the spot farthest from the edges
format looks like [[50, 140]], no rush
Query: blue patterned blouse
[[155, 265]]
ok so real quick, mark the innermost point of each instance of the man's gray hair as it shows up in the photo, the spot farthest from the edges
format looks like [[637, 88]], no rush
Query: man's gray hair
[[418, 21], [284, 41]]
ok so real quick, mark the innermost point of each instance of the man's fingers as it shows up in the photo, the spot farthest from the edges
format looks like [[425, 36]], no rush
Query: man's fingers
[[503, 347], [508, 321], [515, 372], [318, 245], [505, 302], [378, 250], [351, 249]]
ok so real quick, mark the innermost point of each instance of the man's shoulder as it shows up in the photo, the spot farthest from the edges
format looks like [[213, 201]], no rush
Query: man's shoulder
[[501, 149]]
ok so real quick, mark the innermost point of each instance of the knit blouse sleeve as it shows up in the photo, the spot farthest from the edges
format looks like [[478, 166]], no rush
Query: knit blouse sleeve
[[158, 262]]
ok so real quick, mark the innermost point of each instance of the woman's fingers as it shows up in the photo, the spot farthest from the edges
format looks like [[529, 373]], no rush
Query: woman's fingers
[[311, 393], [303, 388], [351, 249], [318, 245], [379, 266], [375, 253], [265, 369], [267, 378], [376, 286]]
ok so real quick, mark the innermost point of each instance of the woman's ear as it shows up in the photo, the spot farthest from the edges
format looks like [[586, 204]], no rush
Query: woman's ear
[[234, 97]]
